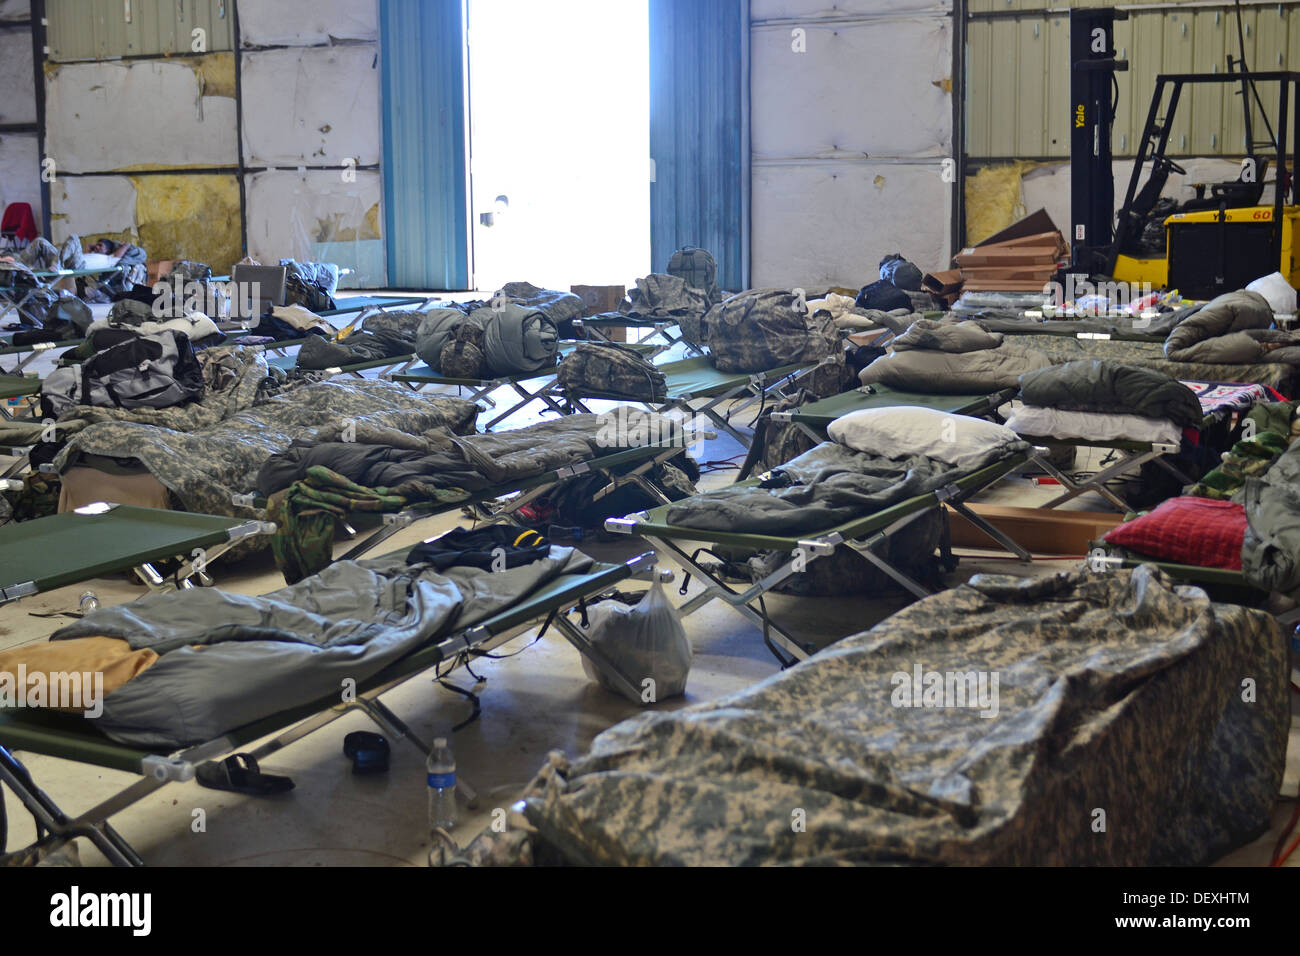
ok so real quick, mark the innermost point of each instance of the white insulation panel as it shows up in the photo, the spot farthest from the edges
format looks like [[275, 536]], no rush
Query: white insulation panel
[[289, 211], [859, 89], [112, 116], [306, 22], [15, 10], [90, 205], [20, 171], [17, 81], [822, 224], [760, 10], [314, 107]]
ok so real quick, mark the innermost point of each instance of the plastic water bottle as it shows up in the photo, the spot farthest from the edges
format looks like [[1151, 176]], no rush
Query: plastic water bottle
[[89, 602], [442, 786]]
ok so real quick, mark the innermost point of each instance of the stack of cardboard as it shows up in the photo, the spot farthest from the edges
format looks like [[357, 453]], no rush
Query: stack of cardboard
[[1024, 257], [944, 286]]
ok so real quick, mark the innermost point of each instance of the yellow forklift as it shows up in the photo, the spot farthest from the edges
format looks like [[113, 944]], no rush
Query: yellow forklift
[[1218, 241]]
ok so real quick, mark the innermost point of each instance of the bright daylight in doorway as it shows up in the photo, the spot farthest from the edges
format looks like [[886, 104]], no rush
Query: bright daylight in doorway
[[559, 166]]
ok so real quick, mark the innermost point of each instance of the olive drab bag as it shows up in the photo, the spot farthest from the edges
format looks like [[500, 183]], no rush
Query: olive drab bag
[[765, 329], [606, 368], [697, 268]]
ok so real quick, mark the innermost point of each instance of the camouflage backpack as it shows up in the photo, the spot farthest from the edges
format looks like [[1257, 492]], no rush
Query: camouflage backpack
[[606, 368], [764, 329], [697, 268], [462, 356]]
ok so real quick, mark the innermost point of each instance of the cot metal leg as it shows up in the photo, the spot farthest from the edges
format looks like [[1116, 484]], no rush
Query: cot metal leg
[[396, 728], [21, 463], [996, 534], [1097, 482], [864, 548], [378, 712], [93, 824], [526, 398], [716, 589]]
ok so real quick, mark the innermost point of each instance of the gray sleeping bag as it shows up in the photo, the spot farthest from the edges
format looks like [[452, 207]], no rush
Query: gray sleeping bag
[[1112, 388], [1234, 329], [959, 358], [1270, 553], [518, 339], [226, 660]]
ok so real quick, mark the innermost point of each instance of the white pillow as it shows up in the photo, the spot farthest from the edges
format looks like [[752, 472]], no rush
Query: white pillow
[[906, 430], [1281, 297]]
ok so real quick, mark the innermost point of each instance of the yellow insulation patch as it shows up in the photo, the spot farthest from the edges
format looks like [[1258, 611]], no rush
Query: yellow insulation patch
[[335, 229], [215, 72], [189, 217], [994, 199]]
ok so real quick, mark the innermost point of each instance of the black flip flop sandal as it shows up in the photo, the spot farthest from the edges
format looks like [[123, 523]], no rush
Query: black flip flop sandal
[[239, 773]]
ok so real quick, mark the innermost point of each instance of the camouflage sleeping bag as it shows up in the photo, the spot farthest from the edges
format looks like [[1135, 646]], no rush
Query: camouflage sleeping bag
[[1077, 743], [203, 467]]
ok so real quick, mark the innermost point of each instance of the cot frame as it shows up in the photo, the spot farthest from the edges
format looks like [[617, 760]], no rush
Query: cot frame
[[480, 389], [1134, 455], [861, 534], [159, 768], [142, 563], [743, 388], [658, 328], [814, 426], [500, 504]]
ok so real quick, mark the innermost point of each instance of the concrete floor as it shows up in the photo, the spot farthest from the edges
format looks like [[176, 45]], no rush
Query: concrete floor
[[538, 701]]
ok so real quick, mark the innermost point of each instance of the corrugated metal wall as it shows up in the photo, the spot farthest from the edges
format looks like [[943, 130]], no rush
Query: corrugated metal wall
[[98, 29], [699, 137], [1018, 73], [425, 143]]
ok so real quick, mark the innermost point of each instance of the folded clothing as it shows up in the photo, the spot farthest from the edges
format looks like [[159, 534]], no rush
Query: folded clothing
[[1041, 422], [494, 548], [1099, 385], [52, 664], [299, 317], [1197, 531]]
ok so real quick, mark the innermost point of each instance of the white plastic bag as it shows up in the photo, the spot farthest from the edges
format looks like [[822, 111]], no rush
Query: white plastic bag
[[645, 642]]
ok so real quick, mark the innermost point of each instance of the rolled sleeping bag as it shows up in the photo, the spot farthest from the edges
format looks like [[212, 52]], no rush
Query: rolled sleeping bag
[[518, 340]]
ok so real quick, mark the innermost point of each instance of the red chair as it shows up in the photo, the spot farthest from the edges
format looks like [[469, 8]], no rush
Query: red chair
[[18, 226]]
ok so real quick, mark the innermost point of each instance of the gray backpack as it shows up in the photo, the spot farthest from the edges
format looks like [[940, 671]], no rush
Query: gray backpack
[[764, 329], [146, 371], [609, 369]]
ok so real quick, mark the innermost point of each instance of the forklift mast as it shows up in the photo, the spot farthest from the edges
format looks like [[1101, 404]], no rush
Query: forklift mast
[[1092, 96]]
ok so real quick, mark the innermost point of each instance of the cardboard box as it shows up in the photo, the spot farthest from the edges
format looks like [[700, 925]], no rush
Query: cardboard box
[[945, 285], [1039, 530], [1035, 224], [602, 298], [158, 268]]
